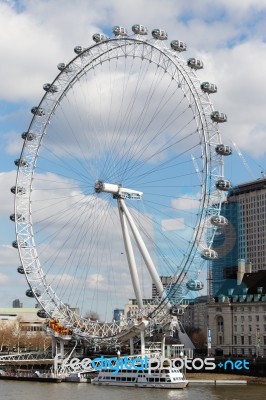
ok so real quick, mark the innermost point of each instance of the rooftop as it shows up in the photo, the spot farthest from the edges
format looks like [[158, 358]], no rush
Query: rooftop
[[248, 187]]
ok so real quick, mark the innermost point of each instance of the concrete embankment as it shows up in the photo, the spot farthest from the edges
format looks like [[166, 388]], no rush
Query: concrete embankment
[[207, 378]]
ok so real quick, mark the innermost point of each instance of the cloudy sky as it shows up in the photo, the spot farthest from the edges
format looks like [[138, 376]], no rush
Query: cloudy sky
[[229, 36]]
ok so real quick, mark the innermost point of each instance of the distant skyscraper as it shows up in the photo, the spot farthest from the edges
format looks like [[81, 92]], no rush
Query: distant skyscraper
[[118, 314], [244, 237], [251, 197], [17, 304], [225, 243], [171, 289]]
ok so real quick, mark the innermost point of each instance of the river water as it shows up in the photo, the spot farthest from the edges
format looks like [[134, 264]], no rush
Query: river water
[[10, 390]]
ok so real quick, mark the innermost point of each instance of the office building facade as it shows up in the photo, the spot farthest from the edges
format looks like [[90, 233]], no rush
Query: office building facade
[[243, 239]]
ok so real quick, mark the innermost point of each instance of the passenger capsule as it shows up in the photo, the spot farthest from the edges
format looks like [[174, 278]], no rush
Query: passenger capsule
[[119, 31], [223, 184], [28, 136], [21, 270], [30, 293], [42, 314], [64, 67], [12, 217], [48, 87], [176, 310], [38, 111], [223, 150], [79, 49], [18, 217], [219, 220], [195, 285], [20, 162], [99, 37], [209, 254], [159, 34], [177, 45], [139, 29], [21, 244], [17, 190], [217, 116], [194, 63], [208, 87]]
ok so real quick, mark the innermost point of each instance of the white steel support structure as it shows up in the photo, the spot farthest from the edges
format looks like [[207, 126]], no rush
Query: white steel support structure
[[126, 219], [142, 248], [130, 258]]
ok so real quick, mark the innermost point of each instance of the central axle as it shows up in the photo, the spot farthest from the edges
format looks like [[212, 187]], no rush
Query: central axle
[[117, 191]]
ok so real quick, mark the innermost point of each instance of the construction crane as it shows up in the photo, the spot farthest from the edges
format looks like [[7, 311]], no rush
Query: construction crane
[[243, 160], [196, 168]]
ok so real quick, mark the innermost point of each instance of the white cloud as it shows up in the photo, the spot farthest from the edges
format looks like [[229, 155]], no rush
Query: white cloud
[[173, 224], [185, 202], [9, 259], [7, 180], [4, 279]]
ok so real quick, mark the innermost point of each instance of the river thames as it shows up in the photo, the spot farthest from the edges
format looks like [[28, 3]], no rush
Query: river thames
[[81, 391]]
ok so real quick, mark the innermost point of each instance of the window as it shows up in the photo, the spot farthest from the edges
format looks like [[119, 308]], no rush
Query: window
[[249, 340], [242, 340], [257, 318], [220, 324]]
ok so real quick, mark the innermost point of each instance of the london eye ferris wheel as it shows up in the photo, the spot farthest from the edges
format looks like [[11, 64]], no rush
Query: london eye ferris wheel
[[119, 182]]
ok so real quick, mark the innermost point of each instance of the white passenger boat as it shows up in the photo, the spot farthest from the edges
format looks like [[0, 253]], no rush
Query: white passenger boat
[[163, 378]]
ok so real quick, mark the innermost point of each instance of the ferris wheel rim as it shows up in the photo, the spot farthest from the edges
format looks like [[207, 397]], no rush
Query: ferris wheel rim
[[48, 304]]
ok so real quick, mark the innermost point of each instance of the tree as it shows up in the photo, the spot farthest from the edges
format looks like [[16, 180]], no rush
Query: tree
[[16, 335], [4, 334], [92, 315], [198, 337]]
